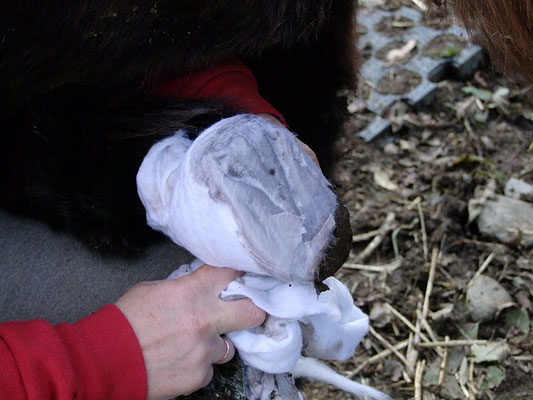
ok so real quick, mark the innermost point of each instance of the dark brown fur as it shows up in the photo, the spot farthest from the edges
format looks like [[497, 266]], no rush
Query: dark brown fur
[[77, 110]]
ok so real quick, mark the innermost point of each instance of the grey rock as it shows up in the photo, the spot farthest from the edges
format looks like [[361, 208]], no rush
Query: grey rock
[[518, 189], [508, 220], [484, 296], [380, 315]]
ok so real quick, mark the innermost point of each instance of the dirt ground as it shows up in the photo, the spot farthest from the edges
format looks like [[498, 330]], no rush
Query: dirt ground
[[408, 194]]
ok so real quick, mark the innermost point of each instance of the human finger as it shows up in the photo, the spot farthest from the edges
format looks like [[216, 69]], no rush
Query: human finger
[[225, 316], [214, 278], [225, 350], [237, 315]]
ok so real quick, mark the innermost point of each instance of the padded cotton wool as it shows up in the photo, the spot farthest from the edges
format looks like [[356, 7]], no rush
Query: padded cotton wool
[[245, 195]]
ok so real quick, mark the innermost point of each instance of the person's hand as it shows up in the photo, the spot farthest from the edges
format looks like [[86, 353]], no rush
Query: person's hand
[[305, 147], [178, 324]]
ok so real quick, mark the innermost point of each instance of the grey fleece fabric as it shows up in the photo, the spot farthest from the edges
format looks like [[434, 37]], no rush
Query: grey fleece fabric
[[50, 275]]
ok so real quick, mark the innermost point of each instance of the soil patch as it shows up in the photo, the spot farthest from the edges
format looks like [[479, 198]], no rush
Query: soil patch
[[394, 26], [408, 194], [444, 46], [398, 81]]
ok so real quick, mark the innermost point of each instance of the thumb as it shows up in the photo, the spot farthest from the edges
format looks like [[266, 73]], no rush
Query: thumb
[[236, 315]]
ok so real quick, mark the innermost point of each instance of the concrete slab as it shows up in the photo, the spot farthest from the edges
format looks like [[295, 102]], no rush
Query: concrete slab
[[431, 70]]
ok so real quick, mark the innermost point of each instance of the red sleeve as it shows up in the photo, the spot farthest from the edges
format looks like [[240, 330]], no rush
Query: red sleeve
[[231, 80], [98, 357]]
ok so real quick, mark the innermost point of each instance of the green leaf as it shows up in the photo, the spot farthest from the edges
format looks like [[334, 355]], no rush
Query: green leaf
[[481, 94], [490, 351], [500, 178], [455, 360], [495, 375], [518, 318], [451, 51], [481, 117], [431, 372], [500, 96], [471, 330]]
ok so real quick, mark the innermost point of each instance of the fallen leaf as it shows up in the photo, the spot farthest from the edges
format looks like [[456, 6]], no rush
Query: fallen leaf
[[476, 204], [431, 372], [383, 180], [455, 359], [481, 94], [401, 53], [471, 329], [462, 106], [394, 369], [518, 318], [500, 96], [495, 375], [450, 388], [490, 351], [481, 116]]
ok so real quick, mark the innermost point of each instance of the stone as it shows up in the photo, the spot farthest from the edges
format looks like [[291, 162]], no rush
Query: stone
[[508, 220], [518, 189], [380, 315], [484, 296]]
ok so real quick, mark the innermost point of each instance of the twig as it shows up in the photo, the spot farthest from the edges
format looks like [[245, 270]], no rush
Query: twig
[[375, 268], [525, 171], [419, 373], [442, 313], [389, 346], [412, 356], [370, 83], [439, 350], [518, 231], [365, 236], [402, 24], [526, 357], [418, 331], [395, 241], [482, 268], [470, 382], [473, 137], [420, 4], [429, 330], [395, 233], [443, 365], [446, 274], [472, 241], [462, 385], [423, 229], [414, 203], [431, 278], [452, 343], [385, 227], [398, 315], [375, 358]]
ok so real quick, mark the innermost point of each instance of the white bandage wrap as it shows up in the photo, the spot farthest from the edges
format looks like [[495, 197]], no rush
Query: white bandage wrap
[[327, 326], [245, 195]]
